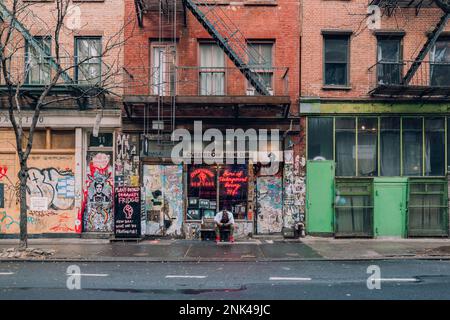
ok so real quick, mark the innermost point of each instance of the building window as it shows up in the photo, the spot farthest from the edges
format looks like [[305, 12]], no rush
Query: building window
[[440, 63], [212, 70], [88, 60], [412, 146], [320, 142], [367, 147], [336, 60], [37, 64], [163, 69], [381, 146], [212, 188], [345, 147], [434, 147], [390, 146], [389, 65], [261, 61]]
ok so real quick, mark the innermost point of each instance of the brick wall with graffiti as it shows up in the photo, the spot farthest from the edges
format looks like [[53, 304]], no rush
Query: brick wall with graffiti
[[50, 194]]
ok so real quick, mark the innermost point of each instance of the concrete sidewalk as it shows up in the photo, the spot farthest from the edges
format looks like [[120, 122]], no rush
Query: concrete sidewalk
[[163, 250]]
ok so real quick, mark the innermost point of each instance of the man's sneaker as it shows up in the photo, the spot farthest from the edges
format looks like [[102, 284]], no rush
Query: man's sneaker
[[231, 239]]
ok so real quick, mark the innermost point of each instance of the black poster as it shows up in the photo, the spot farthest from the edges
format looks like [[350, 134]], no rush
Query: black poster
[[127, 217]]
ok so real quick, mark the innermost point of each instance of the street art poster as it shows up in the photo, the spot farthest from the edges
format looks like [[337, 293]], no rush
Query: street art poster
[[99, 193], [127, 212], [269, 204], [294, 190], [127, 160], [163, 190]]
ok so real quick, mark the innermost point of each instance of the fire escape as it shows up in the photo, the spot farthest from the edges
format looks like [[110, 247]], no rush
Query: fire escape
[[67, 86], [249, 69], [417, 80]]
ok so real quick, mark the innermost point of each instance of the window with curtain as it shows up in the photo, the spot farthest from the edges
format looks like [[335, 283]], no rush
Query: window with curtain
[[88, 60], [212, 70], [389, 60], [440, 63], [345, 146], [367, 147], [320, 138], [434, 147], [163, 69], [336, 60], [260, 60], [390, 146], [37, 64], [412, 146]]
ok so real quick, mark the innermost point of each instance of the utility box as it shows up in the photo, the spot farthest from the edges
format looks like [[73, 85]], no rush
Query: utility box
[[390, 206], [319, 196]]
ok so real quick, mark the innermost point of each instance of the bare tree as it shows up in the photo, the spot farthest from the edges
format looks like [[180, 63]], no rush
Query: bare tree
[[17, 19]]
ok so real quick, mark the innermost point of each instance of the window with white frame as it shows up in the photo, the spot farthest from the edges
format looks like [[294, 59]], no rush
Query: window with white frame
[[212, 70]]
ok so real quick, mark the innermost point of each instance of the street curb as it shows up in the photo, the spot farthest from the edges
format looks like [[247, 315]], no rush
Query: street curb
[[211, 260]]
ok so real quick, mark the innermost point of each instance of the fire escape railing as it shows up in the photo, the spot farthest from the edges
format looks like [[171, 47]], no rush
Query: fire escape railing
[[230, 40], [8, 17]]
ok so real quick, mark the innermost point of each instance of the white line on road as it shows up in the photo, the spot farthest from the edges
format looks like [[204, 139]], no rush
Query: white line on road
[[88, 274], [289, 279], [397, 279], [193, 277], [6, 273]]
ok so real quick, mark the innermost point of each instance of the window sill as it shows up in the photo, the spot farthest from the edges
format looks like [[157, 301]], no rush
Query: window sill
[[261, 3], [336, 88]]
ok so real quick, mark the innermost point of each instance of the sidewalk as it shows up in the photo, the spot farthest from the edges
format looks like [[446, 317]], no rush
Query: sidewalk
[[309, 248]]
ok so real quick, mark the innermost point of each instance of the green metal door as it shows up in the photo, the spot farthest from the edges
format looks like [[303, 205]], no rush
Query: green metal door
[[428, 207], [319, 196], [390, 194]]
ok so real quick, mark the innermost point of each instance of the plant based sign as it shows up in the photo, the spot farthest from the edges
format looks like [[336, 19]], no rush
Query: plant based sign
[[127, 212]]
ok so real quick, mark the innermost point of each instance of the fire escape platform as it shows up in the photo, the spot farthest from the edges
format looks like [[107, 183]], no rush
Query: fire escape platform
[[408, 3], [210, 107], [392, 90]]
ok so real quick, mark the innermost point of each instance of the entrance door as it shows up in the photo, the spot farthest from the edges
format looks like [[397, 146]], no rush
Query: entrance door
[[319, 196], [269, 207], [390, 206], [163, 194]]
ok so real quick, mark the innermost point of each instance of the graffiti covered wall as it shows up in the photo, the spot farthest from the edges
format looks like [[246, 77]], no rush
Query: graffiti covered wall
[[163, 192], [269, 204], [294, 189], [50, 194], [98, 197]]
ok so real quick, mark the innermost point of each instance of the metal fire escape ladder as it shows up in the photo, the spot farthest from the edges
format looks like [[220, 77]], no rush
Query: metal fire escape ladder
[[229, 41], [426, 48], [7, 16]]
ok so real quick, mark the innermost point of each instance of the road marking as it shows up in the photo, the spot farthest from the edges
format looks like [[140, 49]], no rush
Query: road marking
[[6, 273], [397, 279], [192, 277], [289, 279], [88, 274]]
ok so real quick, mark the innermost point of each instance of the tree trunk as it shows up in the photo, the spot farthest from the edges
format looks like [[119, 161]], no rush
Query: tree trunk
[[23, 174]]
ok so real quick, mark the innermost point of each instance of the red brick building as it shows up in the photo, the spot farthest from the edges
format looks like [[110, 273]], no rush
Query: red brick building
[[374, 104], [231, 65]]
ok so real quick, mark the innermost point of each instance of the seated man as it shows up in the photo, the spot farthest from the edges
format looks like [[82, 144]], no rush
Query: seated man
[[224, 220]]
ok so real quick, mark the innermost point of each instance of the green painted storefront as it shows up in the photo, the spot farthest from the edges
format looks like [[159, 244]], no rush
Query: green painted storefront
[[379, 170]]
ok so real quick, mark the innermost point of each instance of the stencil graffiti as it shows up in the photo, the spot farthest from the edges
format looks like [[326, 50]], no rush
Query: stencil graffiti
[[57, 186], [269, 204], [163, 190], [99, 193]]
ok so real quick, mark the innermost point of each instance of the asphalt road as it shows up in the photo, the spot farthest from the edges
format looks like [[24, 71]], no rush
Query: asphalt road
[[402, 279]]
